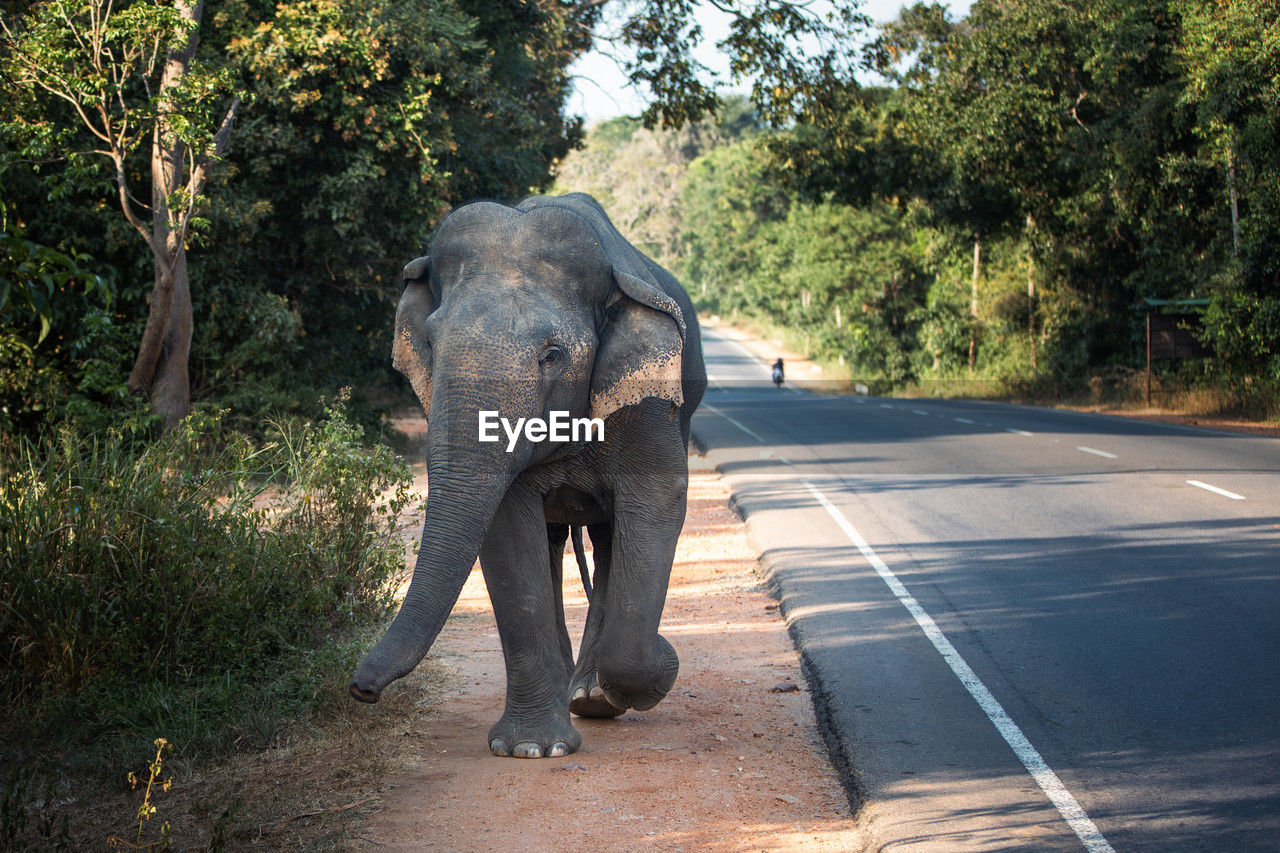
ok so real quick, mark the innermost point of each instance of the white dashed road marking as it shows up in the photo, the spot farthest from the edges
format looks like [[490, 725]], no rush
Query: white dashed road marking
[[1215, 490]]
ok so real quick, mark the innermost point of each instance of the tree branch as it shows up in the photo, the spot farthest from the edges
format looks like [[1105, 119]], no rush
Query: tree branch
[[200, 172], [122, 186], [1079, 100]]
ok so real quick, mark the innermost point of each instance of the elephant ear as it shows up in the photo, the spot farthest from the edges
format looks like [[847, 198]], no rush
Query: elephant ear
[[410, 353], [641, 348]]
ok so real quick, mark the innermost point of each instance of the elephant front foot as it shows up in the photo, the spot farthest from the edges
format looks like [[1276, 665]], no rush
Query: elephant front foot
[[591, 701], [552, 737], [586, 696], [640, 687]]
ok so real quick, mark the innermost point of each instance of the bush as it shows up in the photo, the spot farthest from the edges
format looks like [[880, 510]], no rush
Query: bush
[[190, 573], [1245, 330]]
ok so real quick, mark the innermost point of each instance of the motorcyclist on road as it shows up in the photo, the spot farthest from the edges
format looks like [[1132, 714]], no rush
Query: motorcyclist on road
[[778, 374]]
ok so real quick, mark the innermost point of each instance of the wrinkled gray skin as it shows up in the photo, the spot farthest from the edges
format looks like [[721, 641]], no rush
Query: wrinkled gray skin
[[524, 311]]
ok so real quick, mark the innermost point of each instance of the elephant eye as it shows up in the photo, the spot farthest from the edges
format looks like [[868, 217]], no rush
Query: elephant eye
[[554, 355]]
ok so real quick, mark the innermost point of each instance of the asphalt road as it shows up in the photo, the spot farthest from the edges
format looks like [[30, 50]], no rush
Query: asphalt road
[[1025, 629]]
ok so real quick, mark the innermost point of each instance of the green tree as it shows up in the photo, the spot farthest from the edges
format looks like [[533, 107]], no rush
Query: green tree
[[365, 123], [30, 277], [638, 173], [851, 277], [785, 48], [1055, 123], [1231, 56], [728, 199], [34, 281], [129, 75], [360, 125]]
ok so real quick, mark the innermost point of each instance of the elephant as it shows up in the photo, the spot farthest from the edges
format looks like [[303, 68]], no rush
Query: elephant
[[526, 312]]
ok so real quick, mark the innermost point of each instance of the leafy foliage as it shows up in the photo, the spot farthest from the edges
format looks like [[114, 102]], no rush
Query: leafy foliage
[[178, 564], [36, 283], [1095, 153], [124, 74], [365, 123], [637, 172], [767, 44], [31, 274], [362, 123]]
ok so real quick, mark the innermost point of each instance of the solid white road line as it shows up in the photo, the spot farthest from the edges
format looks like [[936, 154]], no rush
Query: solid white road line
[[1215, 490], [1019, 431], [1030, 757], [1063, 801], [748, 430], [962, 421], [1104, 454]]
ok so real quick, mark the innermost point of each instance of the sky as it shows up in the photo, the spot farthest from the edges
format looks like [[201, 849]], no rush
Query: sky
[[601, 90]]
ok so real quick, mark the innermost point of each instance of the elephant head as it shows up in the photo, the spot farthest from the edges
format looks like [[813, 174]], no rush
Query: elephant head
[[522, 311]]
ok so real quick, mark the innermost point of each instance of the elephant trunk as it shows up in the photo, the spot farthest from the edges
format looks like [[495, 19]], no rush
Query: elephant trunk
[[463, 494]]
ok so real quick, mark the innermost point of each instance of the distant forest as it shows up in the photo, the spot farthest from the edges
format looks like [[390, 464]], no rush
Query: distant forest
[[996, 216]]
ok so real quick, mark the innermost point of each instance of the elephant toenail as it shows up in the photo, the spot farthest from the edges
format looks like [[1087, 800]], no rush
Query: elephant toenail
[[558, 749], [597, 692], [528, 750], [499, 748], [580, 693]]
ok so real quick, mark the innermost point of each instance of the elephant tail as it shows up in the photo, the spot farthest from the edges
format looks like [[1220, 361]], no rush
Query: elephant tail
[[575, 533]]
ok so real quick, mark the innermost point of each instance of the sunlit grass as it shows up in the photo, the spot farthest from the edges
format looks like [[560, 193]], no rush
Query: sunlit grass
[[204, 589]]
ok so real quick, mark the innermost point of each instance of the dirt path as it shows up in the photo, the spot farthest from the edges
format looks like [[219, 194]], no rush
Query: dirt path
[[730, 761]]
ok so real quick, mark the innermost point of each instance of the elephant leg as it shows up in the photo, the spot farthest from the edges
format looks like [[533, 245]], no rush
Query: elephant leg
[[588, 696], [535, 721], [635, 665], [557, 535]]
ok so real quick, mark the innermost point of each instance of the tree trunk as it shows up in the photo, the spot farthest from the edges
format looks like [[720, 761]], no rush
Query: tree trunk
[[160, 369], [973, 306], [171, 386], [1031, 291], [1235, 204], [150, 347]]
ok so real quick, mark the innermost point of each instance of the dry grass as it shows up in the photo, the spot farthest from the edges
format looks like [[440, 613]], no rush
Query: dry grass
[[309, 790]]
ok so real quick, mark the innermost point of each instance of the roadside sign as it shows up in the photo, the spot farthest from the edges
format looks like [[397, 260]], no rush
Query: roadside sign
[[1173, 331]]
